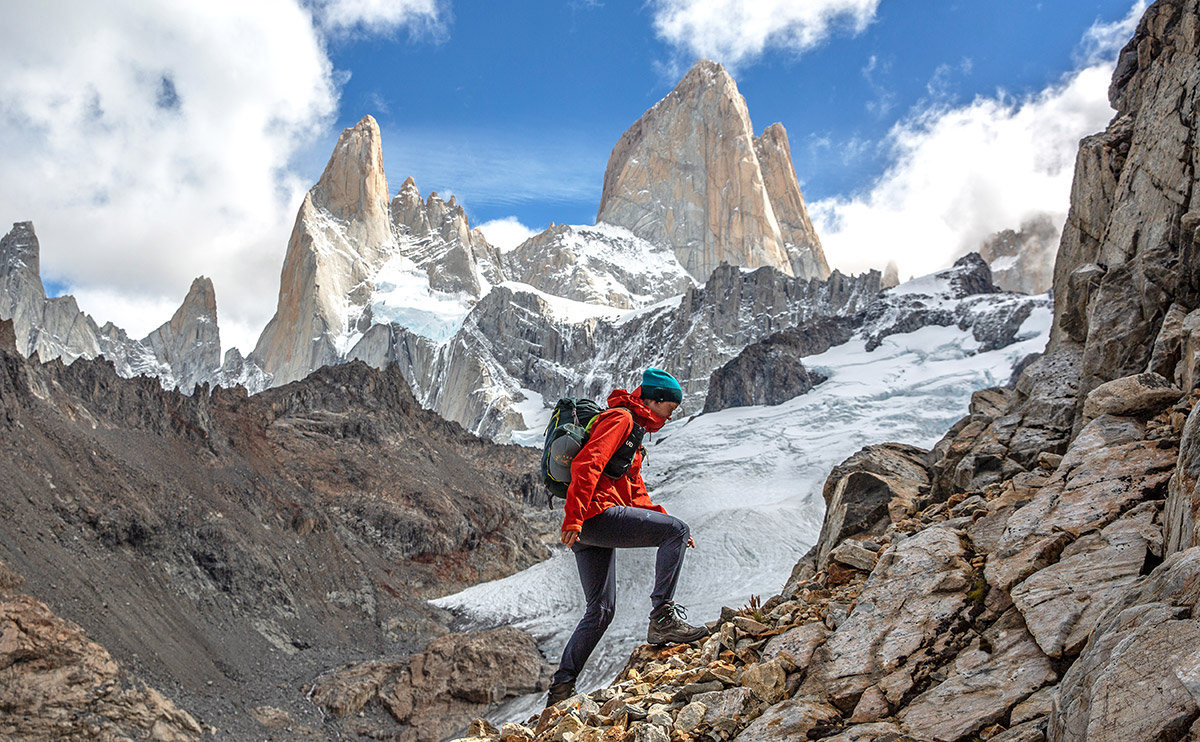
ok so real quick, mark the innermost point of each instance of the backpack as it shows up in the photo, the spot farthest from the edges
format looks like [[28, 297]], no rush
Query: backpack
[[569, 428]]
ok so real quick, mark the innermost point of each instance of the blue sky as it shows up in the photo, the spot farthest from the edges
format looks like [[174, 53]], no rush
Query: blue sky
[[917, 129], [516, 110]]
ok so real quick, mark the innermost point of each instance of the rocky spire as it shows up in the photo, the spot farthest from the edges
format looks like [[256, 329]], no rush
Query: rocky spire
[[796, 229], [686, 175], [341, 238], [190, 342], [437, 236], [51, 328]]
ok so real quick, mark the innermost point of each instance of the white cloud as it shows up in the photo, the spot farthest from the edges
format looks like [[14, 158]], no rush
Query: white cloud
[[734, 31], [961, 174], [150, 142], [379, 16], [506, 233]]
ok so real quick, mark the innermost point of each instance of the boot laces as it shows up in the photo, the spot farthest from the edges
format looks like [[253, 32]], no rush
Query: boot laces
[[673, 613]]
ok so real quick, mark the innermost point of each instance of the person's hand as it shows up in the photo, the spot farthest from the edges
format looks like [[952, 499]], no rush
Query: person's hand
[[691, 542], [568, 538]]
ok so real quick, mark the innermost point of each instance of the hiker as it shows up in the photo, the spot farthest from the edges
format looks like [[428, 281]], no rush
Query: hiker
[[604, 514]]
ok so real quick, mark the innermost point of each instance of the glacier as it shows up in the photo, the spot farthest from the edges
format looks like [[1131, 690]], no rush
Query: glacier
[[749, 480]]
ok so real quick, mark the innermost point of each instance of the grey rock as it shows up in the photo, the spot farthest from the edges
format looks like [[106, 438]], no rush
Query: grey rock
[[918, 589], [852, 554], [799, 643], [986, 679], [789, 720], [1126, 683], [880, 731], [1038, 705], [1168, 347], [1062, 602], [725, 704], [1139, 394], [1029, 731]]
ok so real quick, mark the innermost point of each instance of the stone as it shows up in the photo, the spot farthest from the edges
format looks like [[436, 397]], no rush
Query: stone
[[851, 553], [882, 731], [1062, 602], [645, 732], [1168, 347], [1182, 510], [346, 691], [1126, 683], [271, 717], [797, 643], [987, 678], [725, 704], [566, 729], [1030, 731], [747, 625], [1040, 704], [690, 716], [686, 175], [901, 609], [862, 492], [766, 679], [792, 719], [1139, 394], [512, 732], [1107, 470], [873, 706]]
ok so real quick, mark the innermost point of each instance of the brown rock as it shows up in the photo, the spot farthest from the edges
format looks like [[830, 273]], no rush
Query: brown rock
[[686, 175], [798, 643], [1140, 394], [873, 706], [986, 679], [766, 679], [795, 228], [789, 720]]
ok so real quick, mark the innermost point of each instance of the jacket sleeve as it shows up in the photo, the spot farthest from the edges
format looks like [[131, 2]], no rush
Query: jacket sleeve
[[609, 432]]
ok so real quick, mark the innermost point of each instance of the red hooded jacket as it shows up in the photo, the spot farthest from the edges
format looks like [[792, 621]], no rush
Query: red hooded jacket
[[590, 492]]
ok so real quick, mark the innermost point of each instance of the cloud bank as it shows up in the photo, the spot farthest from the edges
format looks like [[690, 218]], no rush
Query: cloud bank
[[737, 31], [961, 174], [506, 233], [150, 143]]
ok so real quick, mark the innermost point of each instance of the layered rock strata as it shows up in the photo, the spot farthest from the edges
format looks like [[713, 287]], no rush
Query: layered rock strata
[[688, 174]]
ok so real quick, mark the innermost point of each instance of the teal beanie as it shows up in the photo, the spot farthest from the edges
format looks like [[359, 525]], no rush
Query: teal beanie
[[660, 386]]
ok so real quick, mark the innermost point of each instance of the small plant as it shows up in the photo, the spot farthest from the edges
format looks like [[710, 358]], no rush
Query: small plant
[[753, 609]]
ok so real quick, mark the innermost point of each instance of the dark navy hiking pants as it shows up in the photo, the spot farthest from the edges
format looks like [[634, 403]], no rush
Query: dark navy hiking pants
[[595, 555]]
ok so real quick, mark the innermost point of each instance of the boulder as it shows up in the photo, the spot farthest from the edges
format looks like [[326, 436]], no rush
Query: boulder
[[798, 643], [992, 674], [918, 590], [1182, 510], [1108, 469], [1062, 602], [1126, 684], [1168, 346], [874, 487], [790, 720], [1140, 394]]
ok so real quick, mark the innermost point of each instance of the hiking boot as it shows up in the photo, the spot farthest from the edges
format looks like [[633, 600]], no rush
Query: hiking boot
[[560, 692], [668, 627]]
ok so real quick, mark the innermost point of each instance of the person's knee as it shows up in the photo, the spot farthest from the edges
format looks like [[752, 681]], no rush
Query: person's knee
[[681, 530], [600, 613]]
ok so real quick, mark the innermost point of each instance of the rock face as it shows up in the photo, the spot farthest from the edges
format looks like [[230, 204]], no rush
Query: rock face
[[603, 264], [51, 328], [246, 545], [688, 174], [769, 371], [342, 237], [436, 692], [1023, 260], [437, 237]]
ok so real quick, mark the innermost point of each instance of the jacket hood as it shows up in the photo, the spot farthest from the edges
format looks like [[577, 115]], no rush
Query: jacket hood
[[642, 414]]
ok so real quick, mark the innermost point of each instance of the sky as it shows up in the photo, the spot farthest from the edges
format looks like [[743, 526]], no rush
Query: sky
[[151, 143]]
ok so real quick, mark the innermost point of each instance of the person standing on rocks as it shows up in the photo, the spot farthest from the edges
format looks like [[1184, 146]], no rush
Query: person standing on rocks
[[605, 514]]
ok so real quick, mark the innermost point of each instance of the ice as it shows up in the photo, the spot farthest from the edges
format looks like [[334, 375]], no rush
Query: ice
[[567, 310], [748, 481], [403, 296]]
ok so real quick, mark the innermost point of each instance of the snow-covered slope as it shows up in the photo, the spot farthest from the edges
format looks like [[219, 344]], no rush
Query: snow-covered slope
[[748, 480]]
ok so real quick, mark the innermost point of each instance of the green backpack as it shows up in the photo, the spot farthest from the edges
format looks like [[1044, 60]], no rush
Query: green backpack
[[569, 427]]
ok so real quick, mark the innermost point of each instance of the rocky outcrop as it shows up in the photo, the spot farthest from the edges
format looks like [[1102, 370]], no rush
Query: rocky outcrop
[[51, 328], [687, 175], [436, 236], [245, 544], [342, 237], [770, 371], [603, 264], [1023, 260], [783, 190], [436, 692], [56, 683]]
